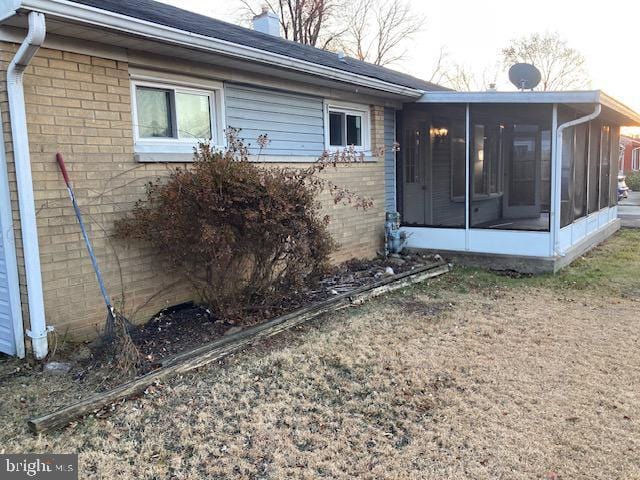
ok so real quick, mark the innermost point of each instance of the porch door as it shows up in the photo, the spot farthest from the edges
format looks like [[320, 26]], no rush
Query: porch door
[[416, 181], [522, 173]]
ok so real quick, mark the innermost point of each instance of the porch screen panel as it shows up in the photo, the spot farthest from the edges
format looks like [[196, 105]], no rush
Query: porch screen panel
[[568, 186], [594, 168], [434, 161], [615, 151], [447, 162], [580, 171], [605, 171], [510, 166]]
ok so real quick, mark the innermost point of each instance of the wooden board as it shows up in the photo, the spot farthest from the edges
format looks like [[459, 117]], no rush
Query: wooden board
[[218, 349]]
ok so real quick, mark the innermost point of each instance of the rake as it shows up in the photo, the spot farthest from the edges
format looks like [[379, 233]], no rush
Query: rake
[[117, 326]]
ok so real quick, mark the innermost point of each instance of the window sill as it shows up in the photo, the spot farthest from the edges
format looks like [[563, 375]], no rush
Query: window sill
[[146, 157]]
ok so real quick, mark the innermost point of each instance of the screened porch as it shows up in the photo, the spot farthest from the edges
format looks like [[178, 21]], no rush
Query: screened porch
[[483, 172]]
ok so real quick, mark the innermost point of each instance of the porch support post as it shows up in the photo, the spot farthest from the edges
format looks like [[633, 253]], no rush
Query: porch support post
[[556, 183], [467, 176]]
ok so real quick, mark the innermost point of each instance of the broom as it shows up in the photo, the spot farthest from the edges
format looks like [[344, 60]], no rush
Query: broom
[[117, 326]]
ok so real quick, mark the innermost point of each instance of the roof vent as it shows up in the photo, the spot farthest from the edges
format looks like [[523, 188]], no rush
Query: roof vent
[[267, 22], [492, 88], [342, 56]]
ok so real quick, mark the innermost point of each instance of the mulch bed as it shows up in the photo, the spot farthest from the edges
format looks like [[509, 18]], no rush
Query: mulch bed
[[187, 326]]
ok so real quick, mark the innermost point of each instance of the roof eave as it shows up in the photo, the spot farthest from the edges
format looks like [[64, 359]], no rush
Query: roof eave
[[631, 117], [84, 14]]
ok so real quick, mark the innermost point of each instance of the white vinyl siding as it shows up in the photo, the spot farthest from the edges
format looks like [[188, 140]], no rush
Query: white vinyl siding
[[292, 122], [11, 333], [389, 159]]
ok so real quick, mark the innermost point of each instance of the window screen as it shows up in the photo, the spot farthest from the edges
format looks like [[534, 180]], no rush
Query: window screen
[[154, 113]]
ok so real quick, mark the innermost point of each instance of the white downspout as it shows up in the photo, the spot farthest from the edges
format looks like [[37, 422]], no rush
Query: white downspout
[[22, 160], [558, 177]]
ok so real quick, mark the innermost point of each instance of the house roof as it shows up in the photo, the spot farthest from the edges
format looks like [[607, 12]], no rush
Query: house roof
[[627, 139], [610, 106], [170, 16]]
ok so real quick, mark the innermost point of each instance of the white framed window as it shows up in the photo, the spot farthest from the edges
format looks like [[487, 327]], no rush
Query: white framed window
[[171, 117], [347, 125], [635, 159]]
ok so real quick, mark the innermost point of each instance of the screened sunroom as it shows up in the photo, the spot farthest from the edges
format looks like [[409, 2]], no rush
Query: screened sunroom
[[527, 175]]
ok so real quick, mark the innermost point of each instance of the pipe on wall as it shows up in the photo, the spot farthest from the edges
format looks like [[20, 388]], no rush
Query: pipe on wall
[[22, 160], [558, 177]]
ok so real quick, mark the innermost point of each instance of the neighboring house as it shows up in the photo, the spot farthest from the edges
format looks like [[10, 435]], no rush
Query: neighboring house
[[123, 89], [629, 154]]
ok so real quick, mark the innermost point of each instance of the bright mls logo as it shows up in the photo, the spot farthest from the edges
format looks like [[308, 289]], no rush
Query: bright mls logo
[[35, 466]]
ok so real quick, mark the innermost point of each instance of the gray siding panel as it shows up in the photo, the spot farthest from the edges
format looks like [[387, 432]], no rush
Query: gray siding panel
[[293, 123], [7, 341], [389, 160]]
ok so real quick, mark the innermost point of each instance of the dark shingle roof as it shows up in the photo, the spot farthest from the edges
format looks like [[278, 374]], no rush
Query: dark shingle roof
[[174, 17]]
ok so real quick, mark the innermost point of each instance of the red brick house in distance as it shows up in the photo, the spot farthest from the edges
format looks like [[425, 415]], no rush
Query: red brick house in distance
[[629, 154]]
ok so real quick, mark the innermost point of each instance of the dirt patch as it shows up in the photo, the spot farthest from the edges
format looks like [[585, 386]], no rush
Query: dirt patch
[[181, 328]]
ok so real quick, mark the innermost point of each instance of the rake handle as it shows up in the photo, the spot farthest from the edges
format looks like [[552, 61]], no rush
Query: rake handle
[[85, 235], [63, 168]]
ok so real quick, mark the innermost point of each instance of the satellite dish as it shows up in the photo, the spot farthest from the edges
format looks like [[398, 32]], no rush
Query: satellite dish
[[524, 76]]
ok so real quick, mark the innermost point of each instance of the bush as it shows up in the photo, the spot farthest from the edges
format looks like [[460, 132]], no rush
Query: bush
[[633, 181], [243, 235]]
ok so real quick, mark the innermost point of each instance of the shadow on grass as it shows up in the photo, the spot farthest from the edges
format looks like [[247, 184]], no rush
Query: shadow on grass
[[612, 268]]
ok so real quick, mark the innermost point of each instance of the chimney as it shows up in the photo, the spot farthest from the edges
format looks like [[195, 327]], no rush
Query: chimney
[[267, 22]]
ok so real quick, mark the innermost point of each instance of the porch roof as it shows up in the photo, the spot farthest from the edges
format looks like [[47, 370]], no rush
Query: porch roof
[[612, 109]]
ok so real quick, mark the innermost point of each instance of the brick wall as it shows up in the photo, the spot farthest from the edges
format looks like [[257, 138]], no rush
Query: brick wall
[[81, 106]]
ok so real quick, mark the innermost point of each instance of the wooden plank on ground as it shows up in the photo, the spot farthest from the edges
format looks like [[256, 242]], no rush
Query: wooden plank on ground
[[218, 349]]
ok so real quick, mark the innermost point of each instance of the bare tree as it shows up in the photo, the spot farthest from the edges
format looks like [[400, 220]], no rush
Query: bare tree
[[462, 78], [311, 22], [440, 66], [377, 30], [562, 67]]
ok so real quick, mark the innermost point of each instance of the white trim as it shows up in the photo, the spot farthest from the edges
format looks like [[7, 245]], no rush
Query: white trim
[[177, 83], [585, 227], [567, 97], [67, 44], [348, 109], [499, 242], [635, 159], [85, 14], [556, 183], [591, 96]]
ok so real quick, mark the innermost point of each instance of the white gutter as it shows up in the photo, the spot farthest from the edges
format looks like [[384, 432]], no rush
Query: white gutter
[[22, 160], [558, 172], [79, 13]]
